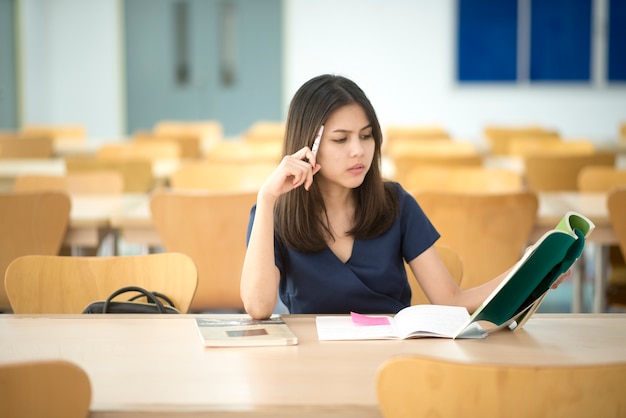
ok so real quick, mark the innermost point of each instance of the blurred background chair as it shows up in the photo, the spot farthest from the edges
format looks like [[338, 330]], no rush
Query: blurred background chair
[[453, 263], [80, 183], [489, 231], [137, 173], [470, 179], [188, 144], [210, 228], [66, 285], [522, 146], [26, 148], [240, 151], [616, 291], [44, 389], [219, 175], [31, 223], [551, 171], [265, 131], [150, 150], [413, 386], [210, 131], [498, 138]]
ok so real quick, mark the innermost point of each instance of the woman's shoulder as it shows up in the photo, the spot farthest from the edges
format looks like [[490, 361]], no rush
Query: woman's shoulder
[[398, 189]]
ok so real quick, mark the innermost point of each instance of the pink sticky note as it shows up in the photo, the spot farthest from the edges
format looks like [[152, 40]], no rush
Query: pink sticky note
[[360, 319]]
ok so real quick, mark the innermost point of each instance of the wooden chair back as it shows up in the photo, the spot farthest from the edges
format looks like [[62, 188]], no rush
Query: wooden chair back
[[498, 137], [80, 183], [489, 231], [26, 148], [616, 203], [265, 131], [42, 284], [210, 131], [150, 150], [559, 172], [44, 389], [600, 178], [189, 144], [463, 179], [403, 165], [210, 228], [238, 151], [453, 263], [137, 173], [217, 175], [522, 146], [64, 133], [414, 133], [622, 131], [413, 386], [31, 223]]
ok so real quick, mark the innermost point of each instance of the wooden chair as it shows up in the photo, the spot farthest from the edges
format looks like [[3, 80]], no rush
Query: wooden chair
[[498, 137], [403, 165], [58, 133], [211, 131], [415, 132], [600, 178], [26, 148], [413, 386], [462, 179], [31, 223], [137, 173], [211, 228], [452, 261], [217, 175], [44, 389], [522, 146], [265, 131], [189, 144], [559, 172], [66, 285], [616, 203], [622, 132], [238, 151], [150, 150], [489, 231], [79, 183]]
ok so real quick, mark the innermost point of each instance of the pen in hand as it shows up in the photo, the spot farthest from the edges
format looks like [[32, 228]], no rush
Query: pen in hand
[[318, 139]]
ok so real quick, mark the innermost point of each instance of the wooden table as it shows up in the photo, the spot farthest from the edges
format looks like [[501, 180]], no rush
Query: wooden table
[[155, 366]]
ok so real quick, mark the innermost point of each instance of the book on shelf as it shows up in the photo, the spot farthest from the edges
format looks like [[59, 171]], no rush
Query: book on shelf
[[510, 305], [242, 330]]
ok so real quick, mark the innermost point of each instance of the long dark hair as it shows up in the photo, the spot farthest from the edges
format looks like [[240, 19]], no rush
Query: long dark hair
[[300, 214]]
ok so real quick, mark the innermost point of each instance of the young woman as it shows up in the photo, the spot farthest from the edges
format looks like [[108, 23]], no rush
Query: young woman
[[327, 232]]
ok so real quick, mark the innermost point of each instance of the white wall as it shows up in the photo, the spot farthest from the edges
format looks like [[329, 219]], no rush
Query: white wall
[[71, 64], [401, 52]]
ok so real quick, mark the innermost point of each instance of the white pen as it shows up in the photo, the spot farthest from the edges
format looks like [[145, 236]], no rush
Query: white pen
[[318, 139]]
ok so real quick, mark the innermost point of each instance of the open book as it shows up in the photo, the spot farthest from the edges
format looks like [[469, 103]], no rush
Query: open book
[[509, 305], [241, 330]]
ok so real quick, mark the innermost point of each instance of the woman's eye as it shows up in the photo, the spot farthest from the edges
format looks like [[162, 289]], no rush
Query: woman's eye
[[367, 136], [340, 140]]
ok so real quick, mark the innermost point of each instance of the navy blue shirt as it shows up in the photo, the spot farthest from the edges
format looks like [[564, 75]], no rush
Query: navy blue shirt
[[373, 280]]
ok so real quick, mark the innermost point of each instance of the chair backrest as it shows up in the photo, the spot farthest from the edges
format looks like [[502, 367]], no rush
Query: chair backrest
[[66, 285], [150, 150], [523, 146], [415, 132], [31, 223], [453, 263], [489, 231], [137, 173], [211, 228], [210, 131], [27, 148], [600, 178], [265, 131], [498, 137], [44, 389], [616, 203], [218, 175], [238, 151], [96, 182], [74, 133], [558, 171], [413, 386], [403, 165], [189, 144], [463, 179]]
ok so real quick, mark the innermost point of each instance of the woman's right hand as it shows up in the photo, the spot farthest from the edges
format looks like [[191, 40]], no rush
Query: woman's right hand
[[294, 170]]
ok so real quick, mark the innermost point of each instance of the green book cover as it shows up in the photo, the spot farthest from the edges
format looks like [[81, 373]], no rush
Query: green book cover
[[521, 291]]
